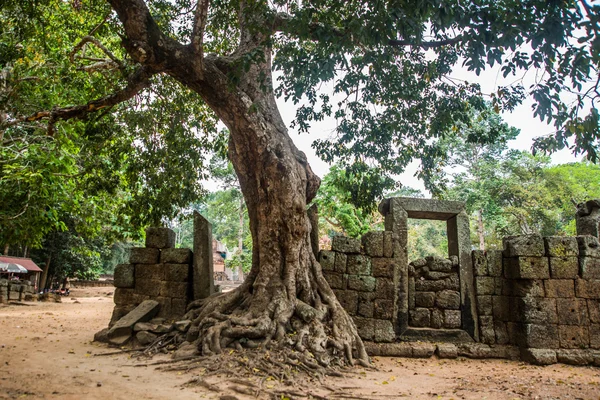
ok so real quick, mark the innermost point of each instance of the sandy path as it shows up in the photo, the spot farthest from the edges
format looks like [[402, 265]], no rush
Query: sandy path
[[46, 353]]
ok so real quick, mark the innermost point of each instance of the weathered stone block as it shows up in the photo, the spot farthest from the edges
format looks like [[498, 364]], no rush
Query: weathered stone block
[[340, 262], [561, 246], [174, 289], [500, 308], [335, 280], [361, 283], [524, 246], [142, 255], [388, 244], [123, 328], [486, 330], [358, 265], [150, 271], [139, 298], [123, 296], [573, 337], [383, 267], [540, 336], [373, 243], [148, 287], [160, 238], [594, 310], [501, 332], [587, 288], [437, 319], [448, 299], [589, 267], [424, 299], [165, 307], [447, 350], [485, 285], [178, 306], [436, 275], [327, 260], [484, 305], [348, 299], [564, 267], [574, 357], [522, 288], [494, 261], [539, 356], [453, 283], [423, 285], [365, 327], [411, 293], [345, 244], [383, 309], [124, 276], [177, 272], [595, 336], [480, 265], [559, 287], [452, 319], [536, 310], [528, 268], [365, 309], [176, 256], [423, 350], [588, 246], [439, 264], [572, 311], [420, 317], [385, 289]]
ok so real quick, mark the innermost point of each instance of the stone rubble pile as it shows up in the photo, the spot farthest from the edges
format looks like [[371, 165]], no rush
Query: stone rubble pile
[[16, 291]]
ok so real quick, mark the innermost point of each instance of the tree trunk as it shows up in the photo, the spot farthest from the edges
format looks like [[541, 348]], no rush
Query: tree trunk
[[25, 252], [6, 247], [480, 229], [44, 276], [241, 239]]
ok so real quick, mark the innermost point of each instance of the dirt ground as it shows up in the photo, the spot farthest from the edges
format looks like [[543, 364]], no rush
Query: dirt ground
[[46, 352]]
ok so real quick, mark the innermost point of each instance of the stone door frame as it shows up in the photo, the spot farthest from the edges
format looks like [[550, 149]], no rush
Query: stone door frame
[[397, 211]]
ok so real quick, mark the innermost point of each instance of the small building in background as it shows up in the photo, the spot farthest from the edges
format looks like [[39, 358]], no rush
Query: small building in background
[[32, 273], [219, 255]]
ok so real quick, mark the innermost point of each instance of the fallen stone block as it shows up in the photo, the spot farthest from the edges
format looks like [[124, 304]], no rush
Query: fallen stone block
[[122, 330], [447, 350], [539, 356], [183, 326], [145, 338]]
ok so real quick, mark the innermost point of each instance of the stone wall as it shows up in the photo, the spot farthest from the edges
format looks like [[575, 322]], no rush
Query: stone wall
[[361, 273], [15, 291], [157, 272]]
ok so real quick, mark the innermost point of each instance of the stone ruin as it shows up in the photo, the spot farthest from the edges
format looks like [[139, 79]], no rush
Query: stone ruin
[[537, 300], [16, 291]]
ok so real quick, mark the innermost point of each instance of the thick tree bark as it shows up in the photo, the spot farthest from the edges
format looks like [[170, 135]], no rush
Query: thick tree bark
[[285, 300], [241, 238]]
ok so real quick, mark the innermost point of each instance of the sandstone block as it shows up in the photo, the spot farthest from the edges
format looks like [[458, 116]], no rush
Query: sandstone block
[[589, 267], [340, 262], [539, 356], [420, 317], [595, 336], [588, 246], [572, 311], [145, 337], [148, 287], [522, 288], [150, 271], [142, 255], [388, 244], [383, 267], [383, 331], [385, 289], [345, 244], [437, 319], [447, 350], [559, 287], [480, 266], [423, 350], [327, 260], [448, 299], [358, 265], [123, 328], [176, 256], [573, 337], [587, 288], [594, 310], [453, 283], [485, 285], [524, 246], [452, 319], [361, 283], [423, 285], [124, 276], [439, 264], [494, 261], [424, 299], [365, 309], [383, 309], [348, 299], [365, 327], [144, 326], [528, 268], [160, 238], [574, 357], [123, 296], [436, 275], [564, 267], [373, 243], [484, 305], [561, 246], [177, 272], [540, 336], [486, 330], [501, 332], [175, 289], [536, 310]]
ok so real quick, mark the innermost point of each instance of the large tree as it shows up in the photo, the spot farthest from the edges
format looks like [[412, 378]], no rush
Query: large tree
[[389, 64]]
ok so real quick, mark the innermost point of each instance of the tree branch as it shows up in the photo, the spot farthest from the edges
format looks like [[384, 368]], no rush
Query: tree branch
[[137, 82], [426, 45], [91, 39], [199, 24]]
